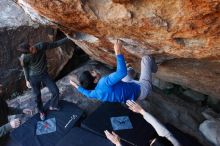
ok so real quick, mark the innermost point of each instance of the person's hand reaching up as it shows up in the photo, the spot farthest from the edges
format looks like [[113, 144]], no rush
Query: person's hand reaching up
[[118, 47], [113, 137], [134, 107]]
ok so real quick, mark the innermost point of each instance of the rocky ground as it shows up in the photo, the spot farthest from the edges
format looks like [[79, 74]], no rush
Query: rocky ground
[[169, 109]]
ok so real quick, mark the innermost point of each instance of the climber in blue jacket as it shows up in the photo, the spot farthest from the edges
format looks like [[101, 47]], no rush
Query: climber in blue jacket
[[111, 88]]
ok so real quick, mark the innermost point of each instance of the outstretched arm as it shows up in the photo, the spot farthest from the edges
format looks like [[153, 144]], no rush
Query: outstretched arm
[[87, 93], [57, 43], [160, 128], [51, 45], [121, 71]]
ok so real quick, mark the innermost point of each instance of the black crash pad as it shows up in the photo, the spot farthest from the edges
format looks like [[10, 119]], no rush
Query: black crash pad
[[100, 120], [82, 137], [183, 138], [66, 119]]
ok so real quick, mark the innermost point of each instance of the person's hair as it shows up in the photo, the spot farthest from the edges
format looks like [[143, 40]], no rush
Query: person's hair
[[161, 141], [86, 80], [24, 47]]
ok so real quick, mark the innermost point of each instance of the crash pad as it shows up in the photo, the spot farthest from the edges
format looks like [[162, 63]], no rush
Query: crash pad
[[68, 116], [183, 138], [131, 127], [81, 137]]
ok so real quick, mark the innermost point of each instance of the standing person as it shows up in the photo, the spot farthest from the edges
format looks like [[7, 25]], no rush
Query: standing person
[[34, 63], [165, 137], [5, 126], [111, 88]]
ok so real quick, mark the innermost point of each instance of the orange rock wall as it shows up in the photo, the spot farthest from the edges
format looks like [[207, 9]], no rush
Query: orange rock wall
[[184, 29]]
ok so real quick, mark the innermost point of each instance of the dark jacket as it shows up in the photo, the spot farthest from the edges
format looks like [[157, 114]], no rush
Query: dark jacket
[[36, 64]]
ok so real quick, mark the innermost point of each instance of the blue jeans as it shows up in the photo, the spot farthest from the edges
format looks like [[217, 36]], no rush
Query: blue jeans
[[44, 78]]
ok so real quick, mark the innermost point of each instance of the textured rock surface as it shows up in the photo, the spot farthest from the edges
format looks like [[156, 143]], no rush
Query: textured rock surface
[[169, 109], [168, 29], [12, 15], [16, 27], [200, 75], [211, 130]]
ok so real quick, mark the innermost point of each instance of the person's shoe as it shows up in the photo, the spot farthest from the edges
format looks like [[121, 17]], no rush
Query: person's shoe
[[54, 108], [42, 116]]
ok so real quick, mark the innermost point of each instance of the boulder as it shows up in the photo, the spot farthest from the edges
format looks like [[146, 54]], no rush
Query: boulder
[[199, 75], [209, 114], [195, 96], [163, 85], [182, 29], [214, 103], [12, 16], [211, 130]]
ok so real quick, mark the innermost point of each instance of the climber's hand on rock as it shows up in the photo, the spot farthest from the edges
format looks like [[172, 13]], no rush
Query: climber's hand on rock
[[118, 47], [74, 84], [71, 36]]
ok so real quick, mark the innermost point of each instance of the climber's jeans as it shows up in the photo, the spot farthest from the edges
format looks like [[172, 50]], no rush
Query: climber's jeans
[[145, 80], [36, 89]]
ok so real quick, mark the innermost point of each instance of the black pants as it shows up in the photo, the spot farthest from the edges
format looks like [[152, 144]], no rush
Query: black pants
[[44, 78]]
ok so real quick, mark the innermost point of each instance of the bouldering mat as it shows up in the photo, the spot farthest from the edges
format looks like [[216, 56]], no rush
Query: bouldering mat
[[183, 138], [65, 120], [82, 137], [131, 127]]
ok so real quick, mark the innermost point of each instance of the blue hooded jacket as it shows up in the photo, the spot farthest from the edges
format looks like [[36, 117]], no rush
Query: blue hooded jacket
[[110, 88]]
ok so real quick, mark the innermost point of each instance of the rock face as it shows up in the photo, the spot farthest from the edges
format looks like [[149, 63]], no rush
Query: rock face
[[16, 27], [182, 29], [211, 130], [13, 16], [200, 75]]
